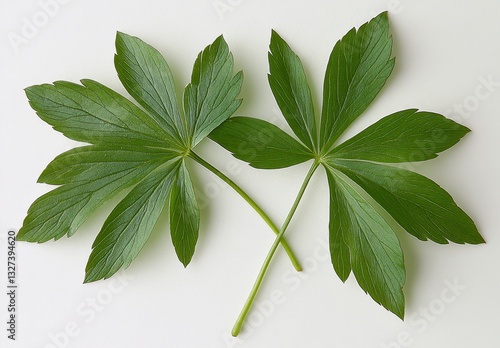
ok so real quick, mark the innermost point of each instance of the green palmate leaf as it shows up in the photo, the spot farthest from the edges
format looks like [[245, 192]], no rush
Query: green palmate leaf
[[290, 88], [358, 68], [418, 204], [130, 224], [210, 98], [63, 210], [405, 136], [260, 143], [373, 250], [146, 76], [361, 241], [184, 216], [128, 145], [95, 114]]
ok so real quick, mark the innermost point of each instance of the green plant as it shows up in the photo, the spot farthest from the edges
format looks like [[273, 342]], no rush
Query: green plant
[[361, 240], [146, 149]]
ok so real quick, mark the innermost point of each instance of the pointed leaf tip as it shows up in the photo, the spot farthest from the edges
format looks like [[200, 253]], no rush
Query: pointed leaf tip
[[184, 216], [416, 203], [128, 227], [362, 240], [359, 65], [291, 90], [405, 136], [211, 96], [146, 76], [266, 146]]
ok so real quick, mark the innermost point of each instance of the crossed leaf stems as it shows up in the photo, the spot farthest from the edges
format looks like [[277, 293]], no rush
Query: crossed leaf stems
[[146, 149], [255, 289], [279, 233]]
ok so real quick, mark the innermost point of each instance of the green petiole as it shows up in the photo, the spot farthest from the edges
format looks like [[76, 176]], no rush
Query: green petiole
[[252, 203], [279, 239]]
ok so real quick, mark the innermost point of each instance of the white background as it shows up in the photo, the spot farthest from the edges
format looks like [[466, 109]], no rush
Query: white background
[[444, 51]]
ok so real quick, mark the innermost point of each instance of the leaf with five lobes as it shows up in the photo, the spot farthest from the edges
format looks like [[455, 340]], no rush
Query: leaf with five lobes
[[260, 143], [146, 76], [128, 145], [210, 98], [130, 224], [62, 210], [184, 216], [405, 136], [292, 93], [361, 241], [376, 257], [417, 203], [358, 68], [95, 114]]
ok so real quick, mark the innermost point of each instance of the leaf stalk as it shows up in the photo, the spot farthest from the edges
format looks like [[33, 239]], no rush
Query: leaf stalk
[[252, 203], [258, 282]]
